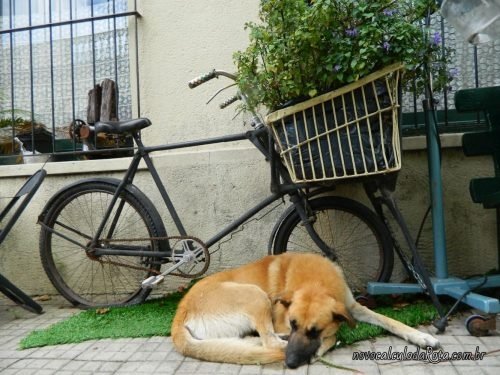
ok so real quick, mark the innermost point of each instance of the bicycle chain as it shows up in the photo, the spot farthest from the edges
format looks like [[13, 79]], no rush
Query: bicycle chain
[[401, 253], [200, 242]]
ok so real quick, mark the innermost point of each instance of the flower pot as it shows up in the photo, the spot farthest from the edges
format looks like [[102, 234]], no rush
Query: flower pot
[[350, 132]]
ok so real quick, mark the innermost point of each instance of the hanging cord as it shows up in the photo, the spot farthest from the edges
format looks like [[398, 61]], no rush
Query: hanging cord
[[443, 321], [243, 226]]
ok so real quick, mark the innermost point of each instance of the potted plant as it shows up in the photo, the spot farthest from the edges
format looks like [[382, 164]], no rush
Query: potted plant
[[303, 49]]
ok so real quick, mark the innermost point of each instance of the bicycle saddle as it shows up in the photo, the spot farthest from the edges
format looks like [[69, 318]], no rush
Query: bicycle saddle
[[121, 127]]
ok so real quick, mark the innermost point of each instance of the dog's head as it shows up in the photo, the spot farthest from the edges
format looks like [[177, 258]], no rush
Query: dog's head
[[314, 316]]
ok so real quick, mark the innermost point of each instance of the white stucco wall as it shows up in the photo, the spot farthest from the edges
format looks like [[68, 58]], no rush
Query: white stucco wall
[[178, 40]]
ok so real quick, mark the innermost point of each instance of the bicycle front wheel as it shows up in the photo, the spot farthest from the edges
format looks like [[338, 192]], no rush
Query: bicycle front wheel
[[68, 227], [360, 240]]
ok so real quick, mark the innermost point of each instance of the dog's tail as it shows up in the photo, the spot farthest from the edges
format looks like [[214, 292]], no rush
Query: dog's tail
[[227, 350]]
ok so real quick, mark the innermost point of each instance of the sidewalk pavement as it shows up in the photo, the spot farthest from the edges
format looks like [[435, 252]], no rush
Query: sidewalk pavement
[[156, 355]]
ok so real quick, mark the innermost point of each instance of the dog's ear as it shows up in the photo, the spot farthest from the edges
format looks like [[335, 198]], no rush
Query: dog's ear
[[341, 314], [284, 298]]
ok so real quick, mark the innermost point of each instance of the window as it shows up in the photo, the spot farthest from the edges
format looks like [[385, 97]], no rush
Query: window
[[52, 52]]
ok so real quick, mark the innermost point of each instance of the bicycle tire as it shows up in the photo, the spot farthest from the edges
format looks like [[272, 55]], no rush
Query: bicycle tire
[[85, 280], [18, 296], [362, 243]]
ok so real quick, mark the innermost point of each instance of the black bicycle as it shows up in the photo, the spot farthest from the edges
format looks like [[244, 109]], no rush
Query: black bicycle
[[103, 242]]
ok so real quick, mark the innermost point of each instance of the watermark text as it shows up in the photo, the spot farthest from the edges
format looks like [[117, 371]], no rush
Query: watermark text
[[426, 355]]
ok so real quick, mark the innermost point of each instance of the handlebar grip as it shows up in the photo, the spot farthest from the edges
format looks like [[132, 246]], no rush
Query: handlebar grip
[[229, 101], [201, 79]]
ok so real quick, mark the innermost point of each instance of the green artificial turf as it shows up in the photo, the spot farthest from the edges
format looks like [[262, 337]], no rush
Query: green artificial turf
[[154, 318]]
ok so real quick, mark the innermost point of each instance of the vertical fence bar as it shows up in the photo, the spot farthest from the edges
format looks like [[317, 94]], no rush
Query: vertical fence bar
[[137, 62], [476, 77], [72, 57], [12, 104], [117, 97], [476, 67], [445, 91], [32, 86], [52, 99], [93, 43]]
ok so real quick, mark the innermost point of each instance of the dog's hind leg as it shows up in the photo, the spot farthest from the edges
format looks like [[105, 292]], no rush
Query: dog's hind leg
[[232, 309]]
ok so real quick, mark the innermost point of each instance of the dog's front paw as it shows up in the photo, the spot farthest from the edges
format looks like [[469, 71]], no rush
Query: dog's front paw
[[424, 340], [277, 342]]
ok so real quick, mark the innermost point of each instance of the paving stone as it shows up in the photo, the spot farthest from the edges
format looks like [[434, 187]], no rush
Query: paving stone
[[27, 371], [168, 366], [157, 356], [447, 370], [250, 370], [273, 369], [73, 366], [110, 367], [491, 370], [54, 364]]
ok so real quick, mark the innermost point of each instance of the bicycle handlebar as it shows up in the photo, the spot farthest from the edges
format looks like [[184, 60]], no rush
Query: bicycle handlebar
[[229, 101], [201, 79], [215, 74], [208, 76]]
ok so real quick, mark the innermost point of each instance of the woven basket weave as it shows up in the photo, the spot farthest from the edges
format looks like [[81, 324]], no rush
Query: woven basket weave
[[346, 133]]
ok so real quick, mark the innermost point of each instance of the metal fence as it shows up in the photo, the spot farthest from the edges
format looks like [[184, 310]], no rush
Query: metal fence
[[52, 52], [472, 66]]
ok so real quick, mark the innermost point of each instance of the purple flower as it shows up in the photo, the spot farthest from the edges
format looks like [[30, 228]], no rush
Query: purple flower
[[436, 38], [389, 12], [337, 67], [386, 46], [352, 32]]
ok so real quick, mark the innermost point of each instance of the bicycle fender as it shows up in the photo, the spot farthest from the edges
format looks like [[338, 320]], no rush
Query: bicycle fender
[[277, 226], [108, 180], [290, 210]]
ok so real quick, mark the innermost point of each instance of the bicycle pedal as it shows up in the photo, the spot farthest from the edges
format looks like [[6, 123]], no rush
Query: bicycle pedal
[[152, 281]]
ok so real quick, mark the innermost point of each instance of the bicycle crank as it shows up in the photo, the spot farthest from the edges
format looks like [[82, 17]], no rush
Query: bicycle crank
[[190, 259]]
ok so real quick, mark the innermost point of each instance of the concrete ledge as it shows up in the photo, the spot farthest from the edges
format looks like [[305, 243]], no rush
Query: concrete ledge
[[420, 143], [187, 157]]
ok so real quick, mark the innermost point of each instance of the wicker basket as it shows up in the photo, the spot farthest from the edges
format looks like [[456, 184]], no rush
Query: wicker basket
[[349, 132]]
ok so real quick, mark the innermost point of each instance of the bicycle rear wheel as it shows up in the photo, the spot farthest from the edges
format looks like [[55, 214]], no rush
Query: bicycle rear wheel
[[360, 240], [68, 227]]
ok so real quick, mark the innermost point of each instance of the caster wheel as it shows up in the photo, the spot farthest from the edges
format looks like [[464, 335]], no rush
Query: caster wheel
[[478, 325], [367, 301]]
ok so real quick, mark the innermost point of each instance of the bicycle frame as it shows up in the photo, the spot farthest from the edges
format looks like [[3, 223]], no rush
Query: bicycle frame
[[261, 138]]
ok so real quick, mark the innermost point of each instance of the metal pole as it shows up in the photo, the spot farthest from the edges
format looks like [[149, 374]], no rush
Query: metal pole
[[436, 191]]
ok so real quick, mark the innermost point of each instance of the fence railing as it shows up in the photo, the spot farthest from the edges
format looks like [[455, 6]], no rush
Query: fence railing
[[50, 57]]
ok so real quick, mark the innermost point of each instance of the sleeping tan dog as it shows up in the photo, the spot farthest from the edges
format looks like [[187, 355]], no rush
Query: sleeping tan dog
[[300, 296]]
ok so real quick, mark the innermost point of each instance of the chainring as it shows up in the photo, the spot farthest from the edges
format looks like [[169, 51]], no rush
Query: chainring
[[194, 253]]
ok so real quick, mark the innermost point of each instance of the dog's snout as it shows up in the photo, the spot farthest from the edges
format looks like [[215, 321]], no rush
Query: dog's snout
[[300, 350], [293, 361]]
